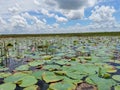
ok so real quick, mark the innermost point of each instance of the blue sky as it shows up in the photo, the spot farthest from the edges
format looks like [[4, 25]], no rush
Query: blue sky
[[59, 16]]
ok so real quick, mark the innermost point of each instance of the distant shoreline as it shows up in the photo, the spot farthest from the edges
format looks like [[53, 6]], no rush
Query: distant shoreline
[[62, 34]]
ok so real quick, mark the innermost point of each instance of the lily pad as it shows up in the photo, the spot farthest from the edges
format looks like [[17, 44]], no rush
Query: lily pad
[[116, 77], [51, 67], [3, 75], [38, 74], [62, 86], [49, 77], [36, 63], [2, 69], [117, 87], [22, 68], [33, 87], [100, 82], [47, 57], [7, 86], [110, 68], [27, 81], [15, 78]]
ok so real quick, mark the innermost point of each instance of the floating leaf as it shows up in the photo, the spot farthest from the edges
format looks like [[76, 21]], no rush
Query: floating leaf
[[36, 63], [116, 77], [60, 72], [117, 87], [3, 75], [2, 69], [68, 80], [22, 68], [15, 78], [27, 81], [110, 69], [38, 74], [75, 75], [49, 77], [33, 87], [7, 86], [100, 82], [51, 67], [47, 57], [62, 86]]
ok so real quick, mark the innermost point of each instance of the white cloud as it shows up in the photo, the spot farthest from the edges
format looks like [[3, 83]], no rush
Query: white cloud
[[73, 9], [60, 19], [46, 12], [36, 2], [102, 14], [18, 20], [2, 21], [102, 18]]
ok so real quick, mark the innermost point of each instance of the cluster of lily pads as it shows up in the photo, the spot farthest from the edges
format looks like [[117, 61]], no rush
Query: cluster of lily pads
[[61, 63]]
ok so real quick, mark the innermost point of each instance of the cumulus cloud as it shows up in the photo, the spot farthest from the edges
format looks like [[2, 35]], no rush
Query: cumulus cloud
[[73, 9], [46, 12], [18, 21], [21, 16], [60, 19], [102, 14], [102, 18], [75, 4]]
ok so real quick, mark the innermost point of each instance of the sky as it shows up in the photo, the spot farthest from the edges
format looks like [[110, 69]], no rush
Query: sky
[[59, 16]]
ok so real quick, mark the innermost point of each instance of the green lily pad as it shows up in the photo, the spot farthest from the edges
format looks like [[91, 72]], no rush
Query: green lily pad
[[3, 75], [33, 87], [22, 68], [38, 74], [62, 86], [3, 69], [15, 78], [69, 80], [102, 84], [7, 86], [36, 63], [75, 75], [49, 77], [47, 57], [27, 81], [118, 67], [116, 77], [110, 69], [117, 87], [62, 73], [51, 67]]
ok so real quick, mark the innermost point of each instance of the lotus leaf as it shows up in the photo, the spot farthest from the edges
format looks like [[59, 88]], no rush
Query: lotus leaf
[[102, 84], [38, 74], [49, 77], [3, 75], [68, 80], [51, 67], [7, 86], [110, 68], [27, 81], [118, 67], [62, 86], [116, 77], [33, 87], [117, 87], [36, 63], [62, 73], [75, 75], [15, 78], [47, 57], [22, 68], [3, 69]]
